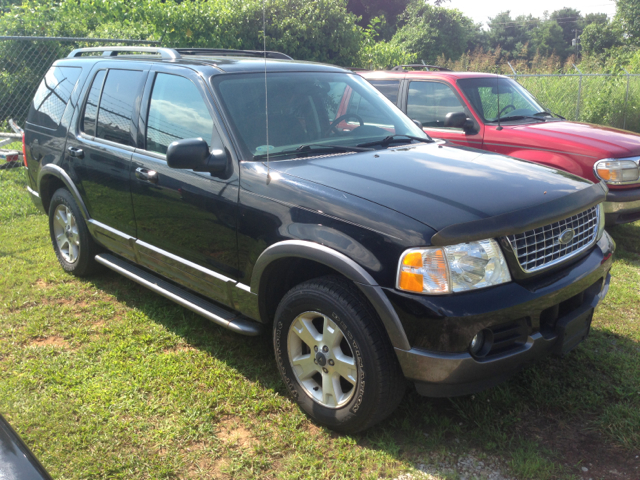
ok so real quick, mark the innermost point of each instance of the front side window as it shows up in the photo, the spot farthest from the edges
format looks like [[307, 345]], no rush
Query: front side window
[[430, 102], [117, 103], [308, 108], [50, 100], [176, 111], [389, 88], [493, 97]]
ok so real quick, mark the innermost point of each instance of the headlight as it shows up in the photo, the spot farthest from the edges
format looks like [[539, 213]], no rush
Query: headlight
[[456, 268], [616, 172], [600, 221]]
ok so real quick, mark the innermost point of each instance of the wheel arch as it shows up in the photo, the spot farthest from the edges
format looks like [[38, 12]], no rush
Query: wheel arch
[[272, 277], [52, 177]]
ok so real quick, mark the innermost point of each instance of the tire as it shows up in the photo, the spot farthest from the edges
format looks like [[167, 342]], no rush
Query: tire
[[72, 242], [353, 380]]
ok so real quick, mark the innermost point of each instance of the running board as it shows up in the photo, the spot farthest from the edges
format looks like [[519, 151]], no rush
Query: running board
[[208, 310]]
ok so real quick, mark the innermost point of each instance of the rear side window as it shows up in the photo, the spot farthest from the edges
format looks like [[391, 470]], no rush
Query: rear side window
[[51, 98], [91, 107], [177, 111], [389, 88], [116, 106]]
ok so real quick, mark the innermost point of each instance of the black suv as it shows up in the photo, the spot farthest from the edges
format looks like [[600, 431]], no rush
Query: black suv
[[374, 254]]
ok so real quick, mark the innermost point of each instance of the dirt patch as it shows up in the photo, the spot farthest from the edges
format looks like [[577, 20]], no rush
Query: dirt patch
[[54, 341], [232, 432], [206, 468], [42, 284], [179, 349], [587, 453], [313, 429]]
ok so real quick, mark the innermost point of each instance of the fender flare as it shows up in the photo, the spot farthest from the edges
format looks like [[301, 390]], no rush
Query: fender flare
[[58, 172], [345, 266]]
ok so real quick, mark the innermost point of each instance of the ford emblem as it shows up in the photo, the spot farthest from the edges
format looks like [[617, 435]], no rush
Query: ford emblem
[[566, 236]]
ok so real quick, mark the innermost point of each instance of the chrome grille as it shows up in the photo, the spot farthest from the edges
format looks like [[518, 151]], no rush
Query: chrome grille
[[540, 248]]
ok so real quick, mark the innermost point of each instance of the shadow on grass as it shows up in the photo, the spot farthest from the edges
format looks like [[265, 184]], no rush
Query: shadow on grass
[[582, 395]]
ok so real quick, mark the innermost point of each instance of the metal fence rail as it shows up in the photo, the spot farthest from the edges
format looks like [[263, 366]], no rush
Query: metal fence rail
[[25, 60], [604, 99]]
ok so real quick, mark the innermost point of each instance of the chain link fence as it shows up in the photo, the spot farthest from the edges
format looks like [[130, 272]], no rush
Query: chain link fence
[[612, 100], [25, 60]]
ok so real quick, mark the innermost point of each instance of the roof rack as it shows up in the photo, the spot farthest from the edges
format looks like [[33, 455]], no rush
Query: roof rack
[[176, 53], [165, 53], [400, 68], [230, 52]]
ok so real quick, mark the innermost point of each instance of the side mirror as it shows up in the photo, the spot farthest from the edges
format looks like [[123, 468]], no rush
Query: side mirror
[[418, 123], [458, 120], [194, 154]]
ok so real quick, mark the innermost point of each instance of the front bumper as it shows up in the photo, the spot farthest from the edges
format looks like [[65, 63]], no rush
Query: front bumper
[[622, 206], [552, 315]]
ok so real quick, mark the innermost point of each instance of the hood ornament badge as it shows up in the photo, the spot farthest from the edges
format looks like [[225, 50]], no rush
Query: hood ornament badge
[[566, 236]]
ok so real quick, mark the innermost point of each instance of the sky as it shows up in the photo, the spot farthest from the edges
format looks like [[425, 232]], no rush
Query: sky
[[479, 10]]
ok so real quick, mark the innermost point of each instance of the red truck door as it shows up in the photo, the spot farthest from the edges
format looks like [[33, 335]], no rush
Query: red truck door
[[430, 101]]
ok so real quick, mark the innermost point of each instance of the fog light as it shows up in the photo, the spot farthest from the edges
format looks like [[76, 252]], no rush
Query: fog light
[[477, 343]]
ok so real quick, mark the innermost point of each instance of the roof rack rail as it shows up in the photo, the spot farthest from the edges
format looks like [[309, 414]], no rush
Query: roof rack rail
[[113, 51], [231, 52], [400, 68]]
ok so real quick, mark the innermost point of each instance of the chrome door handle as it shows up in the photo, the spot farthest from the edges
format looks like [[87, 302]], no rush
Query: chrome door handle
[[75, 152], [147, 175]]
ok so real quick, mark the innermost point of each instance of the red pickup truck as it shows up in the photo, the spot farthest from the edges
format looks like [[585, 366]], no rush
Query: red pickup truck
[[495, 113]]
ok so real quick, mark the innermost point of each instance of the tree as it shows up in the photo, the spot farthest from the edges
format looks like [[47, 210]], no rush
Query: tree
[[431, 31], [513, 36], [599, 38], [549, 40], [569, 19], [628, 15]]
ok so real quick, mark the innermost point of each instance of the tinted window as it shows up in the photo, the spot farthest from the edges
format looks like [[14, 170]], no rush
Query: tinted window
[[389, 88], [117, 104], [91, 107], [174, 117], [430, 102], [302, 109], [52, 96]]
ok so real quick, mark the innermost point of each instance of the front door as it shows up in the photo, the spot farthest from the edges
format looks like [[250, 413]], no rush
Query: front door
[[186, 220], [430, 102]]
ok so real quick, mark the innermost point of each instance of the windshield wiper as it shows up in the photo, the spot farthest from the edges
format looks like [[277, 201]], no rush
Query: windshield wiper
[[551, 114], [306, 149], [395, 138], [521, 117]]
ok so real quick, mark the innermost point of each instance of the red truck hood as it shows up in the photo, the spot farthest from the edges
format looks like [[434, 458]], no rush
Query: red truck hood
[[583, 138]]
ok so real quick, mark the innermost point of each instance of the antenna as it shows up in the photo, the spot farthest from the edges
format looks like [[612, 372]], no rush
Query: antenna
[[498, 93], [266, 92]]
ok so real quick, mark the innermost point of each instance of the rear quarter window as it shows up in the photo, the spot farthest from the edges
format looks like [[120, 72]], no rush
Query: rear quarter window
[[52, 96]]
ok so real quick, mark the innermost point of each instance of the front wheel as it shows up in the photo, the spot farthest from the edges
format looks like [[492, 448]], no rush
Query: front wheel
[[334, 355], [72, 242]]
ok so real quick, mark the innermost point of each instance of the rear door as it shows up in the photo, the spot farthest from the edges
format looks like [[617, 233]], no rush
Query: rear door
[[186, 220], [100, 150], [430, 101]]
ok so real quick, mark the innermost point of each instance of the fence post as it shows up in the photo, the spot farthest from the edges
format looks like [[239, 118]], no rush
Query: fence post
[[626, 101], [579, 93]]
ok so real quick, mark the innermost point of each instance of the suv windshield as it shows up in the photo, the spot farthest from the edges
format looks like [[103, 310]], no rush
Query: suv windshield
[[318, 109], [515, 100]]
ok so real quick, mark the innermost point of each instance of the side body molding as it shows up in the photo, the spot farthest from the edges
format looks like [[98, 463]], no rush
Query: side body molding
[[342, 264], [56, 171]]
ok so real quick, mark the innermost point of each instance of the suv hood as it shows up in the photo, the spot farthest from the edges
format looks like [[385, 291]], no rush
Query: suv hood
[[583, 138], [438, 185]]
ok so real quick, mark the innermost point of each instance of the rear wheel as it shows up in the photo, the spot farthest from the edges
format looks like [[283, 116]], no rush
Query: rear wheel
[[72, 242], [335, 356]]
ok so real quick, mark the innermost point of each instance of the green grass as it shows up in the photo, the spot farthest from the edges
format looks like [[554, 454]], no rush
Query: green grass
[[104, 379]]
